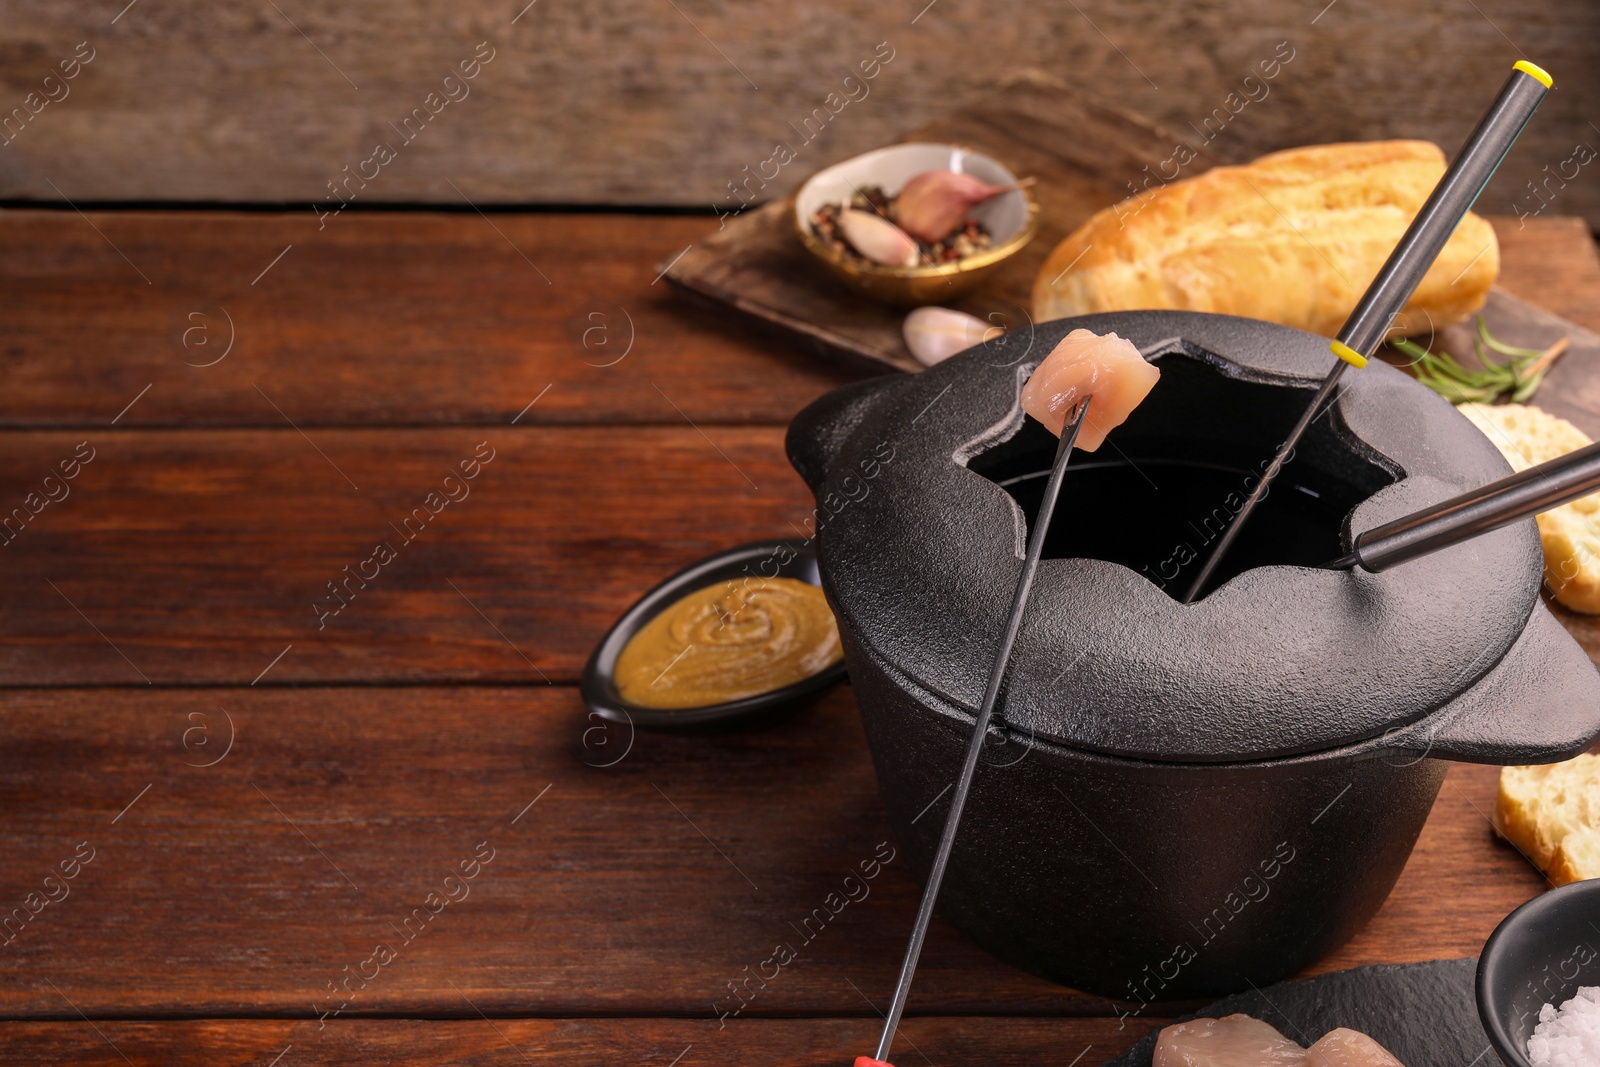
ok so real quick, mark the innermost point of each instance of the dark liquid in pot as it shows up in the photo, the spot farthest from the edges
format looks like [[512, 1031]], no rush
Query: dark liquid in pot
[[1160, 492]]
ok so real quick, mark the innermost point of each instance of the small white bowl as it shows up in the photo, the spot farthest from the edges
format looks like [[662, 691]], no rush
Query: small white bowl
[[1011, 218]]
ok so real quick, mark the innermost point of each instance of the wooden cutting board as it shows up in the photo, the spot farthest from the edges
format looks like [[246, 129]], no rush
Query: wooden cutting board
[[1085, 155], [1571, 387]]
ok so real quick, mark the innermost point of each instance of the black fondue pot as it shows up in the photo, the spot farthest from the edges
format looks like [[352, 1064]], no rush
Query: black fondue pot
[[1181, 800]]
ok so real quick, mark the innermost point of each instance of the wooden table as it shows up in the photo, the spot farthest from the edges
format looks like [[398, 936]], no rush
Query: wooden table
[[268, 789]]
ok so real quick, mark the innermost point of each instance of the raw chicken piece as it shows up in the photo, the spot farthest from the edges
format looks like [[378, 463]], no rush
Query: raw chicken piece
[[1349, 1048], [1084, 364], [1233, 1041]]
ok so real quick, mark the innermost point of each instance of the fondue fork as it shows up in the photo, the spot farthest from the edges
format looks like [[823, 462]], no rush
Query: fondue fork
[[1474, 513], [952, 820], [1369, 323]]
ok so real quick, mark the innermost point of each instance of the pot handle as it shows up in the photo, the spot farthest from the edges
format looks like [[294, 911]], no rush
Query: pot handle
[[1539, 704], [818, 433]]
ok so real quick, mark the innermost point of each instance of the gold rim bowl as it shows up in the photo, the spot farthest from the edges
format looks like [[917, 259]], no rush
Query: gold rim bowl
[[1012, 217]]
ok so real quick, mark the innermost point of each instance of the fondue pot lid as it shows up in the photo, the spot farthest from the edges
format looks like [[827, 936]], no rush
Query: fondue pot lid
[[921, 554]]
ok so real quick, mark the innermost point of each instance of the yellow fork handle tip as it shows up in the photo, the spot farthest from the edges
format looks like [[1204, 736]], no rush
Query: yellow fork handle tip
[[1534, 71]]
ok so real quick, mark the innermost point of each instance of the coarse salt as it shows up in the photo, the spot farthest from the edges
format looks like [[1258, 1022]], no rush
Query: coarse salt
[[1568, 1036]]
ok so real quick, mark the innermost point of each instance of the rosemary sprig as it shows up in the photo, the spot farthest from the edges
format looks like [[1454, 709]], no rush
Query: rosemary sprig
[[1519, 376]]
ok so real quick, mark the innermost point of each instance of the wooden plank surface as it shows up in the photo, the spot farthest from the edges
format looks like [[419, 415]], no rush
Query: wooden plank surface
[[237, 533], [517, 1042], [647, 876], [192, 557], [382, 319], [231, 883], [634, 101], [1551, 262], [455, 328]]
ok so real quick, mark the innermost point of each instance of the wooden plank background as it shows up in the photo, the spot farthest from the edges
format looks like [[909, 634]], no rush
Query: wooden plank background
[[264, 801], [649, 102], [519, 1042], [463, 330], [341, 407], [639, 888]]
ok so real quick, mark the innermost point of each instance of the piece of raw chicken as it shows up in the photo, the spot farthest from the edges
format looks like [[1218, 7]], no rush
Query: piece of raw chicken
[[1232, 1041], [1084, 364], [1349, 1048]]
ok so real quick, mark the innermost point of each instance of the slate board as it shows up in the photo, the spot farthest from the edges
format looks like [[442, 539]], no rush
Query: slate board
[[1424, 1013]]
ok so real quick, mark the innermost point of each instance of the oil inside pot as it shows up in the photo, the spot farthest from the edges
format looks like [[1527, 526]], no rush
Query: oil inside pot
[[1160, 492]]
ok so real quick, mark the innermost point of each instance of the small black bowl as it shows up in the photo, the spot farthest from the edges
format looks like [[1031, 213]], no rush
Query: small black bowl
[[764, 559], [1539, 954]]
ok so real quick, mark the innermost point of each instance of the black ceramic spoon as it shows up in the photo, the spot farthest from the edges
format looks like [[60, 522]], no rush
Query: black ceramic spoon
[[991, 696], [1471, 514], [1426, 237]]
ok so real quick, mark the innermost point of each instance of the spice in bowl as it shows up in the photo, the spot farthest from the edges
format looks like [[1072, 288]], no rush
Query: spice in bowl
[[727, 642], [1568, 1036], [926, 224]]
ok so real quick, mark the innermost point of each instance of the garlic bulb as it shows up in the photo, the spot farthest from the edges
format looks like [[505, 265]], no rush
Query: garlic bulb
[[935, 334], [935, 201], [878, 239]]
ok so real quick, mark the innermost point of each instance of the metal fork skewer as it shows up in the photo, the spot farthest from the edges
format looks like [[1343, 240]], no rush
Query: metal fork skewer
[[1424, 239], [980, 730]]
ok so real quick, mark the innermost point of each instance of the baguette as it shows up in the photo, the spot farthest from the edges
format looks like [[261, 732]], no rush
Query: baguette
[[1293, 238]]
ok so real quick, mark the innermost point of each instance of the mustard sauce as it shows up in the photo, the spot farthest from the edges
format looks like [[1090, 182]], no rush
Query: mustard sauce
[[728, 641]]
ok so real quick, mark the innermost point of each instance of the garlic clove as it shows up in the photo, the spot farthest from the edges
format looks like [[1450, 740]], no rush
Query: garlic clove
[[936, 201], [934, 334], [878, 239]]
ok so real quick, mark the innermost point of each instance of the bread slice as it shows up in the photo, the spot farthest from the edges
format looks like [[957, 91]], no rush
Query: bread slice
[[1577, 858], [1516, 811], [1551, 814], [1527, 437], [1293, 238]]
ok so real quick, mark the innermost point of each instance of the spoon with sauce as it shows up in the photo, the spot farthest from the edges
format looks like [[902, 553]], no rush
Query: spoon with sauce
[[729, 641], [742, 636]]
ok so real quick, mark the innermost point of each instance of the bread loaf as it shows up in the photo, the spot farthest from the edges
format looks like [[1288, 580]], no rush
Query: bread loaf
[[1551, 814], [1528, 437], [1293, 238]]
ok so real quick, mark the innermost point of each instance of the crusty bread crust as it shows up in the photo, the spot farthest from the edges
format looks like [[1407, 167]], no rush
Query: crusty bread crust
[[1577, 858], [1527, 436], [1551, 814], [1515, 811], [1294, 238]]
